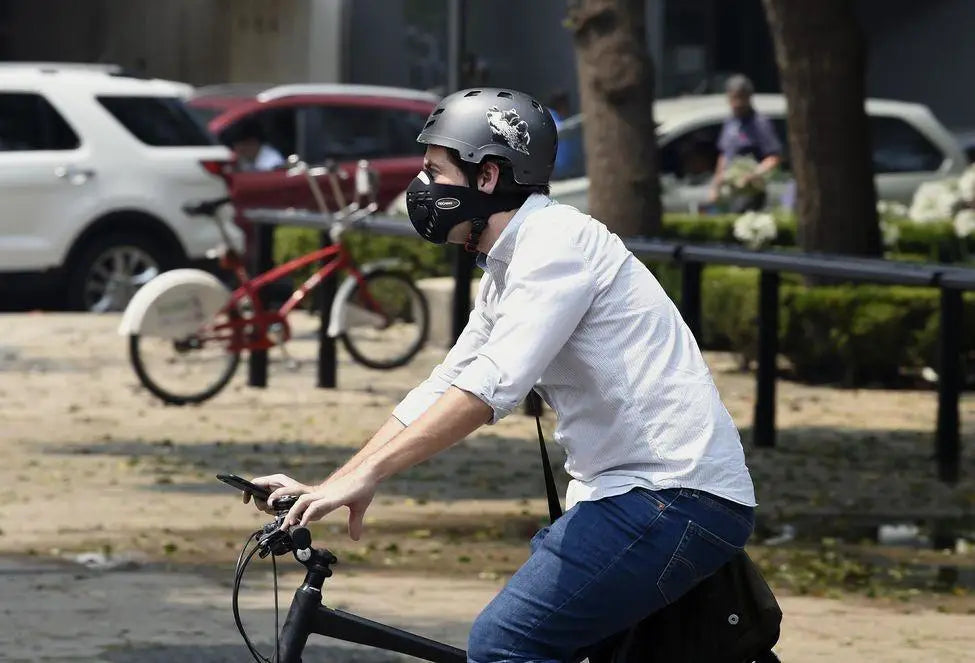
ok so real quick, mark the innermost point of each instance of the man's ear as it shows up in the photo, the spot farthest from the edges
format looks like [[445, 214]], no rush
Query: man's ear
[[487, 176]]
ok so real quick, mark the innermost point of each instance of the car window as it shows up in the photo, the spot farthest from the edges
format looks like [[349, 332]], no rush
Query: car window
[[347, 133], [278, 125], [900, 148], [570, 157], [205, 113], [28, 122], [407, 125], [158, 121], [693, 155]]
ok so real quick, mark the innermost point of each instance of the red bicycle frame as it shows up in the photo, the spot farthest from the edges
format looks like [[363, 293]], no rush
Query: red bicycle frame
[[251, 332]]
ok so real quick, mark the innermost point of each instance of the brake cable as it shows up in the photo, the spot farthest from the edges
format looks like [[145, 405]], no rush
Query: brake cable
[[242, 562]]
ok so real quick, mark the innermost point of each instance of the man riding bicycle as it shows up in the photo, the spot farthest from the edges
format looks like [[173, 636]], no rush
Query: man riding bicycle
[[660, 496]]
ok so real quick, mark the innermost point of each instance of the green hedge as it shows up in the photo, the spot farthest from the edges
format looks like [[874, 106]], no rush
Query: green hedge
[[720, 228], [930, 241], [855, 335]]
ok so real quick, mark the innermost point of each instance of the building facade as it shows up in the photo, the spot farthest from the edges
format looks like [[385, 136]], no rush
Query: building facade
[[918, 51]]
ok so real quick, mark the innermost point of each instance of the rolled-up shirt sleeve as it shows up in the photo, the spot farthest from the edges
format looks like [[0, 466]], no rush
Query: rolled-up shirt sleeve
[[549, 287], [463, 352]]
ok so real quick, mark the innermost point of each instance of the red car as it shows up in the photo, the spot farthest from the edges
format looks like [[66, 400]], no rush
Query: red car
[[320, 122]]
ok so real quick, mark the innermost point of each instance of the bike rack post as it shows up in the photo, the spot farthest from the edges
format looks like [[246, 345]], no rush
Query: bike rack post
[[690, 296], [763, 427], [263, 259], [463, 271], [327, 368], [947, 442]]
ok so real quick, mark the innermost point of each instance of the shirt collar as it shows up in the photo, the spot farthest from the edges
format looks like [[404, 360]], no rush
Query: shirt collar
[[504, 247]]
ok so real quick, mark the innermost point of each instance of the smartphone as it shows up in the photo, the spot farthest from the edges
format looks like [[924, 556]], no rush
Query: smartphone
[[243, 484]]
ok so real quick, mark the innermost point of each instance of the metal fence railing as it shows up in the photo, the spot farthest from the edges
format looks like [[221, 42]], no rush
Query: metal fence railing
[[952, 282]]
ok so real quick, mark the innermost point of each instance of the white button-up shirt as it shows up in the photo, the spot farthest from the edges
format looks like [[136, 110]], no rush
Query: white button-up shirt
[[564, 307]]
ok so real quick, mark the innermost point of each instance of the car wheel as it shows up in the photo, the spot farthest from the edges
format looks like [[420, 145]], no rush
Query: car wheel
[[110, 269]]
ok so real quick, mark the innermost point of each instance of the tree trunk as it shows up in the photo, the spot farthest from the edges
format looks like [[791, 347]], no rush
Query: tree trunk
[[821, 55], [616, 92]]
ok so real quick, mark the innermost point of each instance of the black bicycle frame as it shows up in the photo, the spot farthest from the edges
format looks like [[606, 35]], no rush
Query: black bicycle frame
[[307, 615]]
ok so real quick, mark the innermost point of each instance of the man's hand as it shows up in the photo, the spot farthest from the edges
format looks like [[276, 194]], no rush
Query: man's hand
[[279, 485], [354, 490]]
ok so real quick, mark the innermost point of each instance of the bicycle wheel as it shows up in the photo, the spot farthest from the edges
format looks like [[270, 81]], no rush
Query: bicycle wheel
[[386, 320], [191, 369]]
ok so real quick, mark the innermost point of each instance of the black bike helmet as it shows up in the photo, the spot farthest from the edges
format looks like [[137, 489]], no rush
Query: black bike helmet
[[483, 121]]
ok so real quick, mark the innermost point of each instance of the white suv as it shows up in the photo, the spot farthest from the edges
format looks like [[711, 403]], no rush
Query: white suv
[[94, 167]]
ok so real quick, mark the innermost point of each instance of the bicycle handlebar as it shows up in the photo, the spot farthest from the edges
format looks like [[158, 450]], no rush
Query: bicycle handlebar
[[205, 207]]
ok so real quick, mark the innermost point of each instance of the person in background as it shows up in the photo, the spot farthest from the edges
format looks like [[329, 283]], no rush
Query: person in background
[[559, 107], [746, 133], [253, 153]]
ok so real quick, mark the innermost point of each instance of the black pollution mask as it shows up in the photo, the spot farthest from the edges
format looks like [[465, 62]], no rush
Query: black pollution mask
[[434, 209]]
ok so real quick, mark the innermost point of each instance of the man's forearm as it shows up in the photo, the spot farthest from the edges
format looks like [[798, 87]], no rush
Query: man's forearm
[[718, 171], [386, 432], [454, 416], [768, 164]]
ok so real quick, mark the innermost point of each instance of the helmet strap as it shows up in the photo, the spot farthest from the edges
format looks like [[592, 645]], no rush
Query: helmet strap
[[477, 227]]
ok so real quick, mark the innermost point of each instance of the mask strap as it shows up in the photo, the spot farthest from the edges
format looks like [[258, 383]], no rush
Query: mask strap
[[477, 225]]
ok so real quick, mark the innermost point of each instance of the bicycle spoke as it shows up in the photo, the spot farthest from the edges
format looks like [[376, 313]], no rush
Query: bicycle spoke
[[187, 367]]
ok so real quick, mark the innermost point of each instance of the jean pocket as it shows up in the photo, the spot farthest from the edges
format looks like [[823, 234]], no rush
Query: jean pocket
[[699, 553]]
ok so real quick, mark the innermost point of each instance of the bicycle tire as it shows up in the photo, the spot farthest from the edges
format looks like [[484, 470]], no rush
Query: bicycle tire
[[169, 397], [423, 314]]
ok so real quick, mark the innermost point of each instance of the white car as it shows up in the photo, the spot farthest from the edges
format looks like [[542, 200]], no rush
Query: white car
[[910, 147], [94, 168]]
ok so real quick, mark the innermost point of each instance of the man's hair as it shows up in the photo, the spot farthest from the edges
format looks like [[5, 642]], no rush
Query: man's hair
[[506, 178], [249, 129], [739, 84]]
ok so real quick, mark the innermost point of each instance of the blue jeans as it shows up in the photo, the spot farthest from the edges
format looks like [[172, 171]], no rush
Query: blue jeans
[[604, 566]]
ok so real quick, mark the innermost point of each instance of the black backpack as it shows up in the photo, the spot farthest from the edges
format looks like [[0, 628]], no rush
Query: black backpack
[[729, 617]]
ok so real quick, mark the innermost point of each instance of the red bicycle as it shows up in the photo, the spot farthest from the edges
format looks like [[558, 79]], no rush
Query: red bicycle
[[187, 329]]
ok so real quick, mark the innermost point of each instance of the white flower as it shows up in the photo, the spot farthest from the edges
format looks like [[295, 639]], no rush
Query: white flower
[[891, 232], [964, 223], [966, 185], [898, 209], [738, 176], [934, 201], [891, 208], [754, 230]]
